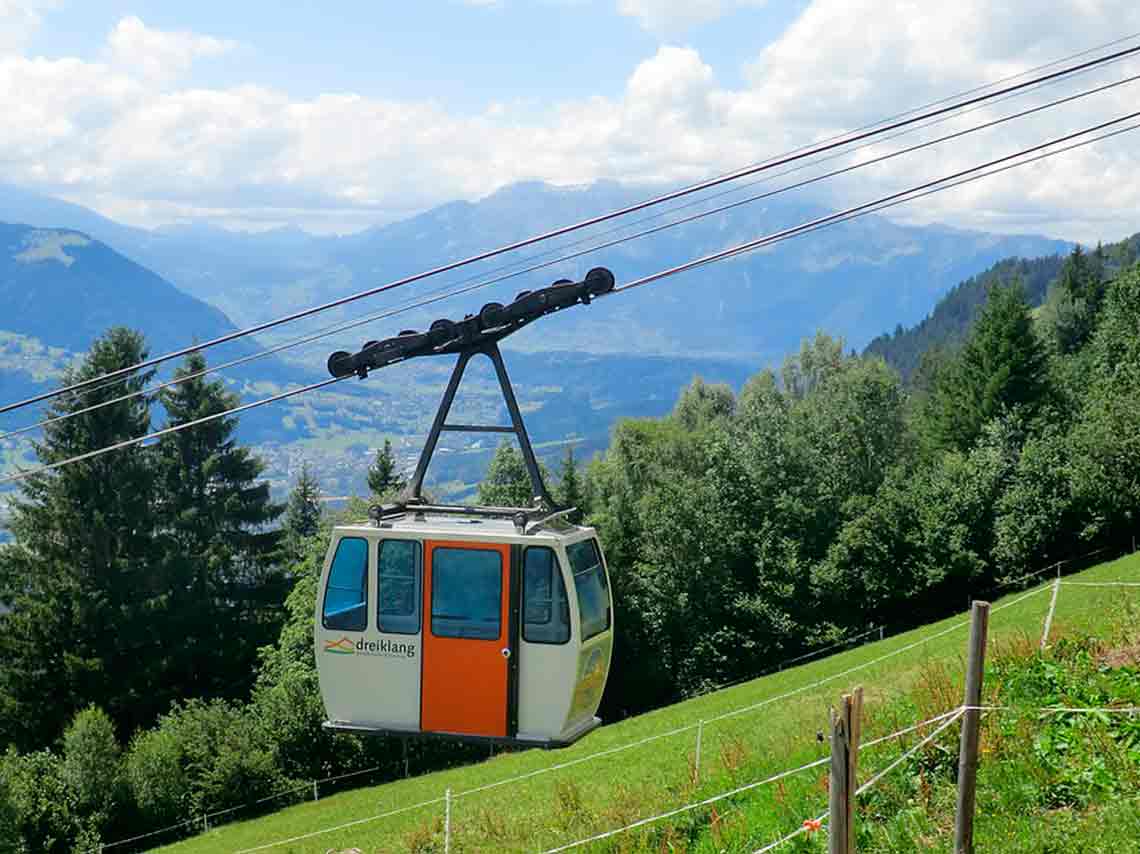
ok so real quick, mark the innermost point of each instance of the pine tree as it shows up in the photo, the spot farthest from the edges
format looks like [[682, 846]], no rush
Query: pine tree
[[384, 481], [570, 493], [303, 512], [214, 515], [1076, 301], [507, 483], [79, 577], [1001, 367]]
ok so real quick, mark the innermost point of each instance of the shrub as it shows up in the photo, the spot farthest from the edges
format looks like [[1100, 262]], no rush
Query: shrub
[[158, 783], [92, 768], [40, 801]]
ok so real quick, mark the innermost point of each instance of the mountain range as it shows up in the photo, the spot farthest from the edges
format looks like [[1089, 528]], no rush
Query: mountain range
[[68, 272]]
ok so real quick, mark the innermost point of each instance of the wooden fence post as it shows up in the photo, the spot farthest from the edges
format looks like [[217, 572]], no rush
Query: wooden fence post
[[846, 732], [1049, 616], [697, 757], [971, 718], [447, 822]]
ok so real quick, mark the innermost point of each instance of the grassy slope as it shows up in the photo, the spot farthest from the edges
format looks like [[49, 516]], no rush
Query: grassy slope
[[609, 791]]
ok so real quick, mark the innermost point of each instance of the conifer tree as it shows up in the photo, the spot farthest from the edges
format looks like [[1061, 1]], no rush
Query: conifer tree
[[1001, 367], [507, 483], [303, 512], [78, 577], [383, 478], [570, 492], [214, 515]]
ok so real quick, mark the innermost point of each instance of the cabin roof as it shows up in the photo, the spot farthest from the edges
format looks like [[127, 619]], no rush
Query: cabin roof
[[440, 526]]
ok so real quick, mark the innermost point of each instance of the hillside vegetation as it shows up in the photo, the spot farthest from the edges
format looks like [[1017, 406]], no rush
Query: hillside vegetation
[[949, 322], [1032, 795], [741, 530]]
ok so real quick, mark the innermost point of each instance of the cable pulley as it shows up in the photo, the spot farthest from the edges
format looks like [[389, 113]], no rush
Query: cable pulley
[[493, 323]]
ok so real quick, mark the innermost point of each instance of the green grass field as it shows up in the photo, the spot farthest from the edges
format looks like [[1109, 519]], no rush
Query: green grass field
[[645, 766]]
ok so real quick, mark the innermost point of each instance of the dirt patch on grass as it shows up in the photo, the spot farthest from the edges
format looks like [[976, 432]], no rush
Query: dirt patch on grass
[[1122, 656]]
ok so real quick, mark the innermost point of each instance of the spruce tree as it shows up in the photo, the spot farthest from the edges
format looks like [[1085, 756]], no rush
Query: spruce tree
[[79, 576], [1001, 367], [303, 511], [507, 483], [1077, 299], [215, 516], [384, 481], [570, 493]]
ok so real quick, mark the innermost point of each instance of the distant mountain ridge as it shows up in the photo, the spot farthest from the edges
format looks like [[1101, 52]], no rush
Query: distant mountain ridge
[[855, 279]]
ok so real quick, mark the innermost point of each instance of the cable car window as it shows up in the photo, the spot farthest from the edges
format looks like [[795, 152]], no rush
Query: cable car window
[[590, 585], [346, 596], [398, 571], [546, 613], [466, 593]]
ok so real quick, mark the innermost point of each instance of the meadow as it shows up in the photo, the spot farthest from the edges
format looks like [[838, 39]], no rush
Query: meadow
[[645, 766]]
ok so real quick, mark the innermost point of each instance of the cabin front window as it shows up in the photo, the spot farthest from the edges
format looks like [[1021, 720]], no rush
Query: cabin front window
[[546, 613], [466, 593], [590, 585], [346, 596], [398, 575]]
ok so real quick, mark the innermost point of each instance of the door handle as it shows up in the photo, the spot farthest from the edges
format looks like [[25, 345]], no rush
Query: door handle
[[506, 652]]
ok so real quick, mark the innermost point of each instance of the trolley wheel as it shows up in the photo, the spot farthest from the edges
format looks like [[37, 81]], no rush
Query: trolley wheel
[[442, 330], [369, 344], [562, 282], [340, 364], [404, 332], [488, 314], [599, 281], [522, 295]]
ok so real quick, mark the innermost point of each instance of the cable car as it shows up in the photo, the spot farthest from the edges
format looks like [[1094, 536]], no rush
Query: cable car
[[489, 624]]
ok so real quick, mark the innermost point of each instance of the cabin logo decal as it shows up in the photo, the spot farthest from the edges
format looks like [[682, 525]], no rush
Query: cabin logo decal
[[384, 647], [340, 647]]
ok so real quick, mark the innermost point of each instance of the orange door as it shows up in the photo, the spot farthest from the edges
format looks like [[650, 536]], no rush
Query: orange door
[[466, 648]]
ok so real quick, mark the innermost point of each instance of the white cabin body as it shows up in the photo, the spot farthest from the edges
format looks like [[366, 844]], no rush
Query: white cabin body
[[463, 626]]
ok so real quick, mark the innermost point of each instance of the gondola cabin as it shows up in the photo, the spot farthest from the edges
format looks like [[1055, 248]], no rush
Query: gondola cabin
[[468, 625]]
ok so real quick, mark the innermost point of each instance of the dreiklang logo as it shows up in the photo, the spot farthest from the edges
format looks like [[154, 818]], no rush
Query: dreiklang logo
[[389, 648]]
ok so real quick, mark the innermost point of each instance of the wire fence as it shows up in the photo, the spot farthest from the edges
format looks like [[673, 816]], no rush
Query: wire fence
[[698, 725], [206, 820]]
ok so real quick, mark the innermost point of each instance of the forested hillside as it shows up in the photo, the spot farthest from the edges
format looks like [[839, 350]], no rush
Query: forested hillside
[[949, 322], [740, 529]]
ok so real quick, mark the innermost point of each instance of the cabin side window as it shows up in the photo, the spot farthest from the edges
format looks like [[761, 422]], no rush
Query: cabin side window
[[546, 613], [398, 576], [346, 595], [590, 586], [466, 593]]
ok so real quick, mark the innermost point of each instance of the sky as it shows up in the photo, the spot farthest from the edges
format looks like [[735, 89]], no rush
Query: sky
[[337, 116]]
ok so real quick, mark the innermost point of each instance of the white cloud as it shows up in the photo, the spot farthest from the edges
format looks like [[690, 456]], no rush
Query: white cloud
[[124, 135], [674, 16], [159, 54], [19, 20]]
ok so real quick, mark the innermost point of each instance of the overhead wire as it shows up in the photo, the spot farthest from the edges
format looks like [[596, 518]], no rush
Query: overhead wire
[[878, 204], [410, 306], [780, 160], [922, 190], [517, 264]]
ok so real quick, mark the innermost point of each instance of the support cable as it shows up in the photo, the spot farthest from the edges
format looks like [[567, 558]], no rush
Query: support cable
[[781, 160], [410, 306], [955, 179]]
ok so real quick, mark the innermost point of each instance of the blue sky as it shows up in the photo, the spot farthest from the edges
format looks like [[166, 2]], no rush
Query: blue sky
[[464, 55], [255, 114]]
